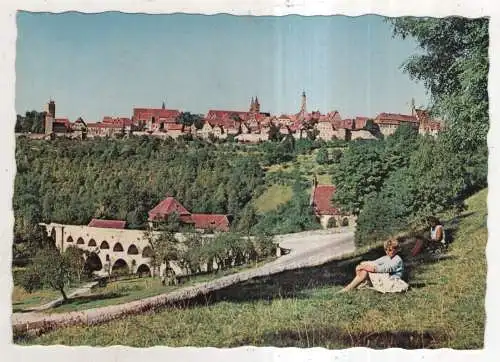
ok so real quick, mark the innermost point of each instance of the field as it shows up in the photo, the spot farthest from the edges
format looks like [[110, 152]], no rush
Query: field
[[22, 300], [274, 196], [116, 292], [444, 307], [278, 194]]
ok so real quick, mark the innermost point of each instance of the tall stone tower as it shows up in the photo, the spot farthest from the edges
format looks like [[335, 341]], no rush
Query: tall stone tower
[[256, 105], [303, 106], [50, 114]]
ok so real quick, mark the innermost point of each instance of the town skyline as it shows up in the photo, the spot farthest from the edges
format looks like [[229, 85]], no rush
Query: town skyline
[[220, 62]]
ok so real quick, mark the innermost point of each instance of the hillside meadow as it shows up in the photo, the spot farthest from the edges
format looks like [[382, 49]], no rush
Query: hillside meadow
[[443, 309]]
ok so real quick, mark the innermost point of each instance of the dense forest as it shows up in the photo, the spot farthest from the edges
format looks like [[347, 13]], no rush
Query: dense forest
[[69, 181]]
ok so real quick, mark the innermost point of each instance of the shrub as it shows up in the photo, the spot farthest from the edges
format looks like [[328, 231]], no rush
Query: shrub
[[331, 223]]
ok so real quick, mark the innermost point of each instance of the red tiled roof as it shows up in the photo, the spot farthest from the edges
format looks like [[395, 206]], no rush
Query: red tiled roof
[[334, 116], [344, 123], [322, 200], [166, 207], [64, 121], [120, 120], [214, 114], [146, 113], [360, 122], [422, 115], [393, 118], [108, 224], [211, 221]]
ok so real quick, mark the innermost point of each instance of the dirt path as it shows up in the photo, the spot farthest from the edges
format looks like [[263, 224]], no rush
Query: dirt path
[[81, 290], [306, 249]]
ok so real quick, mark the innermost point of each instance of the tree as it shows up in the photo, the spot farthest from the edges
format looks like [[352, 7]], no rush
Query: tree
[[323, 157], [188, 119], [164, 245], [359, 175], [454, 67], [76, 259], [247, 219], [51, 269], [32, 121]]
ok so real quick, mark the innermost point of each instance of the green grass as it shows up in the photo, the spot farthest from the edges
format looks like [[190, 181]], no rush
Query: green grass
[[116, 292], [22, 300], [443, 309], [274, 196]]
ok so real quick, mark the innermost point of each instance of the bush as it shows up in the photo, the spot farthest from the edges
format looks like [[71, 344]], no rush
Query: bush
[[332, 223]]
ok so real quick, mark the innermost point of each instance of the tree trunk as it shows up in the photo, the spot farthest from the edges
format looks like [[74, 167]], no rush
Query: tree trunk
[[65, 297]]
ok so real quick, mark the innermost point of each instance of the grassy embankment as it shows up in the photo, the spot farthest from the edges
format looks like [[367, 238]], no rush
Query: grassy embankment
[[116, 292], [443, 308]]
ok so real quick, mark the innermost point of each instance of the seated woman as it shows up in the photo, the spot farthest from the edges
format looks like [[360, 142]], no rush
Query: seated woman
[[437, 231], [437, 237], [384, 273]]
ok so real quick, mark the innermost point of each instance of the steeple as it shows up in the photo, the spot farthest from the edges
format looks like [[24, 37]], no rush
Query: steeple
[[412, 106], [163, 105], [256, 105]]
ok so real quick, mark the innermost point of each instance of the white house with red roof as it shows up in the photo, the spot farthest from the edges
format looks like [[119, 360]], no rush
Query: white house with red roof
[[201, 222], [389, 122], [322, 205], [154, 118]]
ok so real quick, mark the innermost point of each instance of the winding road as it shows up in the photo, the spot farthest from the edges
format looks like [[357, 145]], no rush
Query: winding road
[[306, 249]]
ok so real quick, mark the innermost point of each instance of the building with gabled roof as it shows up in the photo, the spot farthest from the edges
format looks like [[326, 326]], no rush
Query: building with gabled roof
[[389, 122], [323, 208], [201, 222], [107, 224]]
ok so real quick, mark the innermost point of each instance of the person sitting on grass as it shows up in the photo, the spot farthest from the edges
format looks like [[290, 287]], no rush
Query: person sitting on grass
[[384, 274], [437, 239]]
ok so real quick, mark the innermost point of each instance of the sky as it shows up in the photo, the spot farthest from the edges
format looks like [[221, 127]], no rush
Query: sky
[[96, 65]]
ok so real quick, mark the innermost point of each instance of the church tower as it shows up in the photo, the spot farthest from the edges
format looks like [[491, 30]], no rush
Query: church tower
[[256, 105], [303, 106], [50, 114], [252, 106]]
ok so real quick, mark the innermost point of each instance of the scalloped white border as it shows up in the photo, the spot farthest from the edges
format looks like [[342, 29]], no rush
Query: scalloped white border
[[469, 8]]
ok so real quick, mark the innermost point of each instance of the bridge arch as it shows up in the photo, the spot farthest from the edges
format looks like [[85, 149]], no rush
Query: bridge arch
[[93, 262], [80, 241], [104, 245], [69, 239], [92, 242], [144, 269], [147, 252], [345, 222], [118, 247], [132, 250], [120, 267]]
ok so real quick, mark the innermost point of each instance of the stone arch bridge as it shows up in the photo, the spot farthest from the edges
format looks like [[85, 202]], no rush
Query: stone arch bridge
[[110, 248]]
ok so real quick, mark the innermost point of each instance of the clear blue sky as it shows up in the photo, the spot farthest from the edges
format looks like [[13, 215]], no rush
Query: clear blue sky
[[94, 65]]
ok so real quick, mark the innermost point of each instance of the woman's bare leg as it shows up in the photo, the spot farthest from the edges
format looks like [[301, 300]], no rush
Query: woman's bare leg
[[361, 275]]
